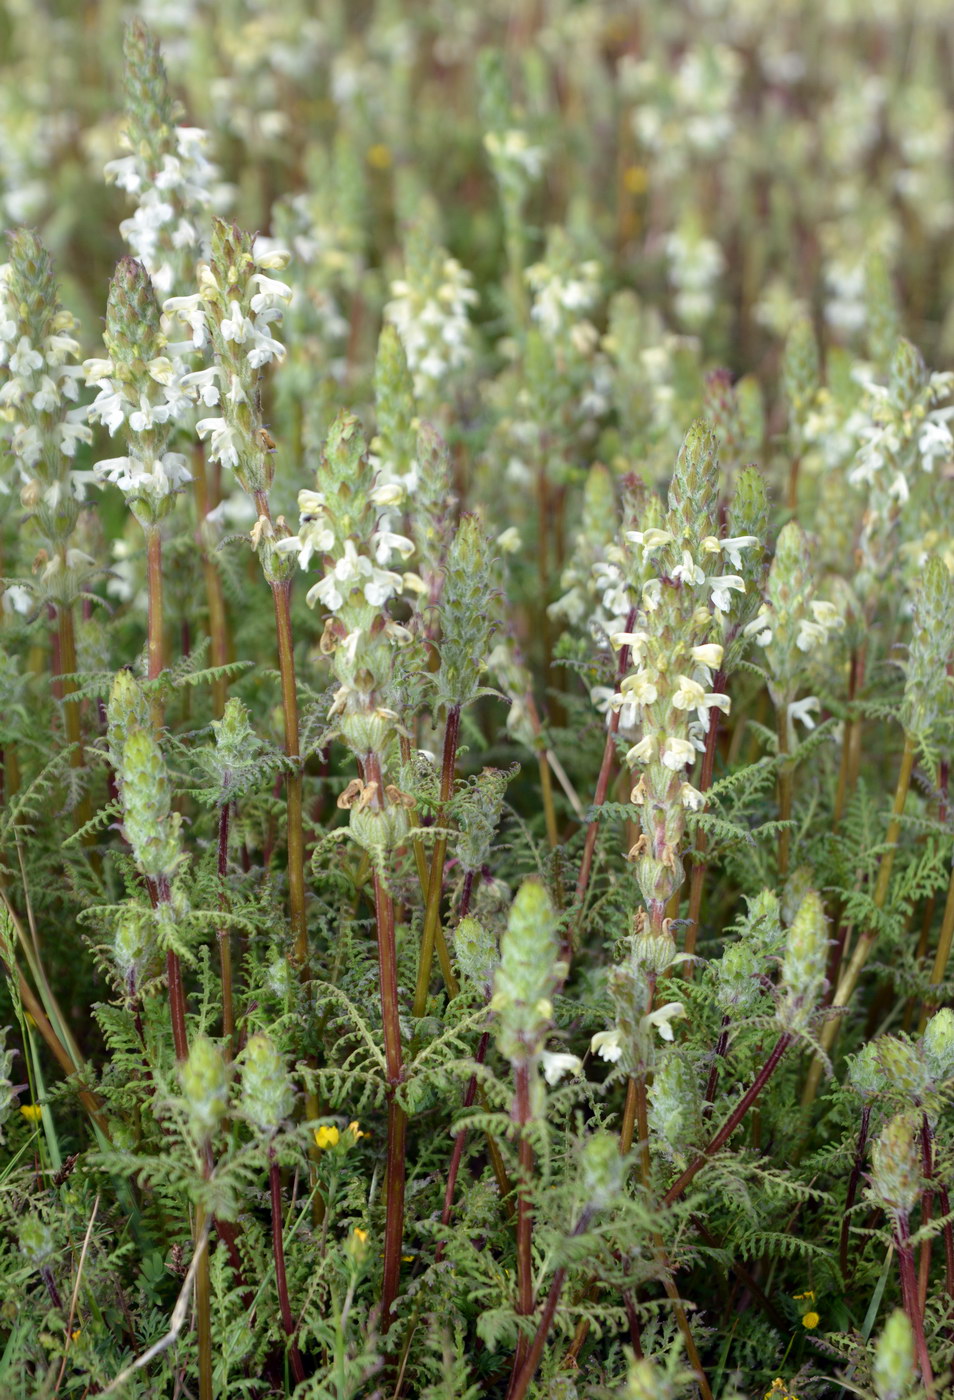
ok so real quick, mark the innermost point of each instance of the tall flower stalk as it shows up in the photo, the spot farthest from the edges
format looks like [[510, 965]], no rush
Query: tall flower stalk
[[232, 313], [344, 522]]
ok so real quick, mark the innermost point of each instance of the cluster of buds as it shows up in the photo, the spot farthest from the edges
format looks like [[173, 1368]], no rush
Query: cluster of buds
[[141, 393], [525, 980], [896, 1165], [233, 311], [676, 646], [268, 1097], [166, 171], [430, 311], [39, 422], [205, 1088], [803, 966], [909, 1074], [927, 685]]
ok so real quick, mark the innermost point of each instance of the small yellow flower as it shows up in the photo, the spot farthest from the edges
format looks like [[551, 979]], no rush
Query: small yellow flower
[[32, 1112], [76, 1333], [778, 1390], [357, 1244], [355, 1130], [807, 1297], [327, 1136], [811, 1319], [636, 179], [379, 157]]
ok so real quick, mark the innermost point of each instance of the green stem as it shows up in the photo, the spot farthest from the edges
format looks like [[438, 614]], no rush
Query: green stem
[[435, 884], [224, 934], [281, 593]]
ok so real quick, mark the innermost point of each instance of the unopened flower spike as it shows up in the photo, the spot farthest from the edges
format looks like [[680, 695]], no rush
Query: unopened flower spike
[[205, 1088], [267, 1097], [167, 171]]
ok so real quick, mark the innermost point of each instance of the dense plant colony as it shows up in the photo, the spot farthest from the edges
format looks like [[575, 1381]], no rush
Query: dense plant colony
[[476, 887]]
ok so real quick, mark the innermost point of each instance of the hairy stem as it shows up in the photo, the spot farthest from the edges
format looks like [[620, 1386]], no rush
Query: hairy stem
[[698, 876], [853, 1180]]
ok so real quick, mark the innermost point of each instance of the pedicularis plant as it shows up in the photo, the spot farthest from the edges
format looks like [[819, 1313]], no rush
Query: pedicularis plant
[[476, 892]]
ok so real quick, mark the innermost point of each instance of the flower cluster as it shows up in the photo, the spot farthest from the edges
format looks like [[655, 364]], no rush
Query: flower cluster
[[40, 422], [792, 624], [233, 312], [676, 647], [430, 311], [167, 171], [141, 392], [564, 291]]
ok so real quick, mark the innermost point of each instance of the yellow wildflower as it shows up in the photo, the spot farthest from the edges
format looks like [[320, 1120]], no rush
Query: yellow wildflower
[[379, 157], [327, 1136], [778, 1390], [811, 1319], [32, 1112], [360, 1235], [355, 1130]]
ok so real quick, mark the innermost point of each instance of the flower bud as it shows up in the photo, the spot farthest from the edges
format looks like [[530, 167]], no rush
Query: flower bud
[[151, 828], [126, 709], [475, 949], [903, 1069], [36, 1240], [527, 974], [895, 1165], [646, 1382], [694, 492], [677, 1106], [267, 1097], [801, 372], [927, 686], [893, 1371], [937, 1045], [866, 1075], [205, 1086], [803, 965], [602, 1169]]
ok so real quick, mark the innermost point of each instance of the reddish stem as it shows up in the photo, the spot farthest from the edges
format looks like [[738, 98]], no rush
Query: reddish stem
[[909, 1291], [602, 783], [459, 1141], [521, 1382], [281, 1279], [853, 1180], [733, 1120], [521, 1114]]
